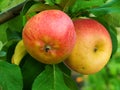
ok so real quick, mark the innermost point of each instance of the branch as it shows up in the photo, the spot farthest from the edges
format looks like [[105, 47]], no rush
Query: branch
[[11, 13]]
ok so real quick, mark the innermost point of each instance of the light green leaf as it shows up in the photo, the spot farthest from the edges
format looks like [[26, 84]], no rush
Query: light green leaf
[[113, 19], [50, 2], [6, 4], [1, 45], [10, 76], [50, 79]]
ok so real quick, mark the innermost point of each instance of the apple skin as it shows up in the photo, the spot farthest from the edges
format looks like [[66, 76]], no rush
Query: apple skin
[[93, 47], [49, 36]]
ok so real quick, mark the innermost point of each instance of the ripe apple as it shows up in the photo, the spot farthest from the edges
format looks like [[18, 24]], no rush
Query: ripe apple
[[49, 36], [93, 47]]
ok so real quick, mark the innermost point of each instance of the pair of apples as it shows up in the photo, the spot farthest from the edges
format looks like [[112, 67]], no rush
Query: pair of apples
[[52, 37]]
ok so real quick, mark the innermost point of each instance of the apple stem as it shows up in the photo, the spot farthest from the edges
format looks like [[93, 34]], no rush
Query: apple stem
[[95, 49], [47, 48]]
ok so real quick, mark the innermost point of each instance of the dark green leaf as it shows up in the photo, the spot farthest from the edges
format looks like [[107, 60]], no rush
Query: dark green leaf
[[70, 82], [50, 79], [64, 69], [10, 47], [27, 5], [13, 35], [30, 69], [114, 39], [16, 24], [10, 76]]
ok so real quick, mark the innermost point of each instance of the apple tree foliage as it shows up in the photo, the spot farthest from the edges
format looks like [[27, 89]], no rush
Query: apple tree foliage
[[33, 75]]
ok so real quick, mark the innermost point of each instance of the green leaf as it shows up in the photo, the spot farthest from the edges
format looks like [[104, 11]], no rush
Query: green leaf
[[108, 8], [114, 39], [64, 69], [83, 4], [50, 2], [50, 79], [13, 35], [2, 53], [67, 5], [70, 82], [62, 3], [113, 19], [27, 5], [15, 24], [30, 70], [1, 45], [80, 5], [10, 47], [10, 76], [3, 36], [6, 4], [39, 7]]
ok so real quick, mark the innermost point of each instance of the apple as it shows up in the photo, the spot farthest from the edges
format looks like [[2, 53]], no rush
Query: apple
[[49, 36], [93, 47]]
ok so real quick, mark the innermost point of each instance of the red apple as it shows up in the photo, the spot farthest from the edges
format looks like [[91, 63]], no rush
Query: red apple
[[49, 36], [93, 47]]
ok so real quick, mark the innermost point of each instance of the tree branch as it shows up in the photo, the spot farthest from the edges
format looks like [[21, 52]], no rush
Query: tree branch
[[11, 13]]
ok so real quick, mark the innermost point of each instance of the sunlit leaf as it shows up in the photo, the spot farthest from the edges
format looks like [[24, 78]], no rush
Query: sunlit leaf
[[6, 4], [113, 19], [1, 45]]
